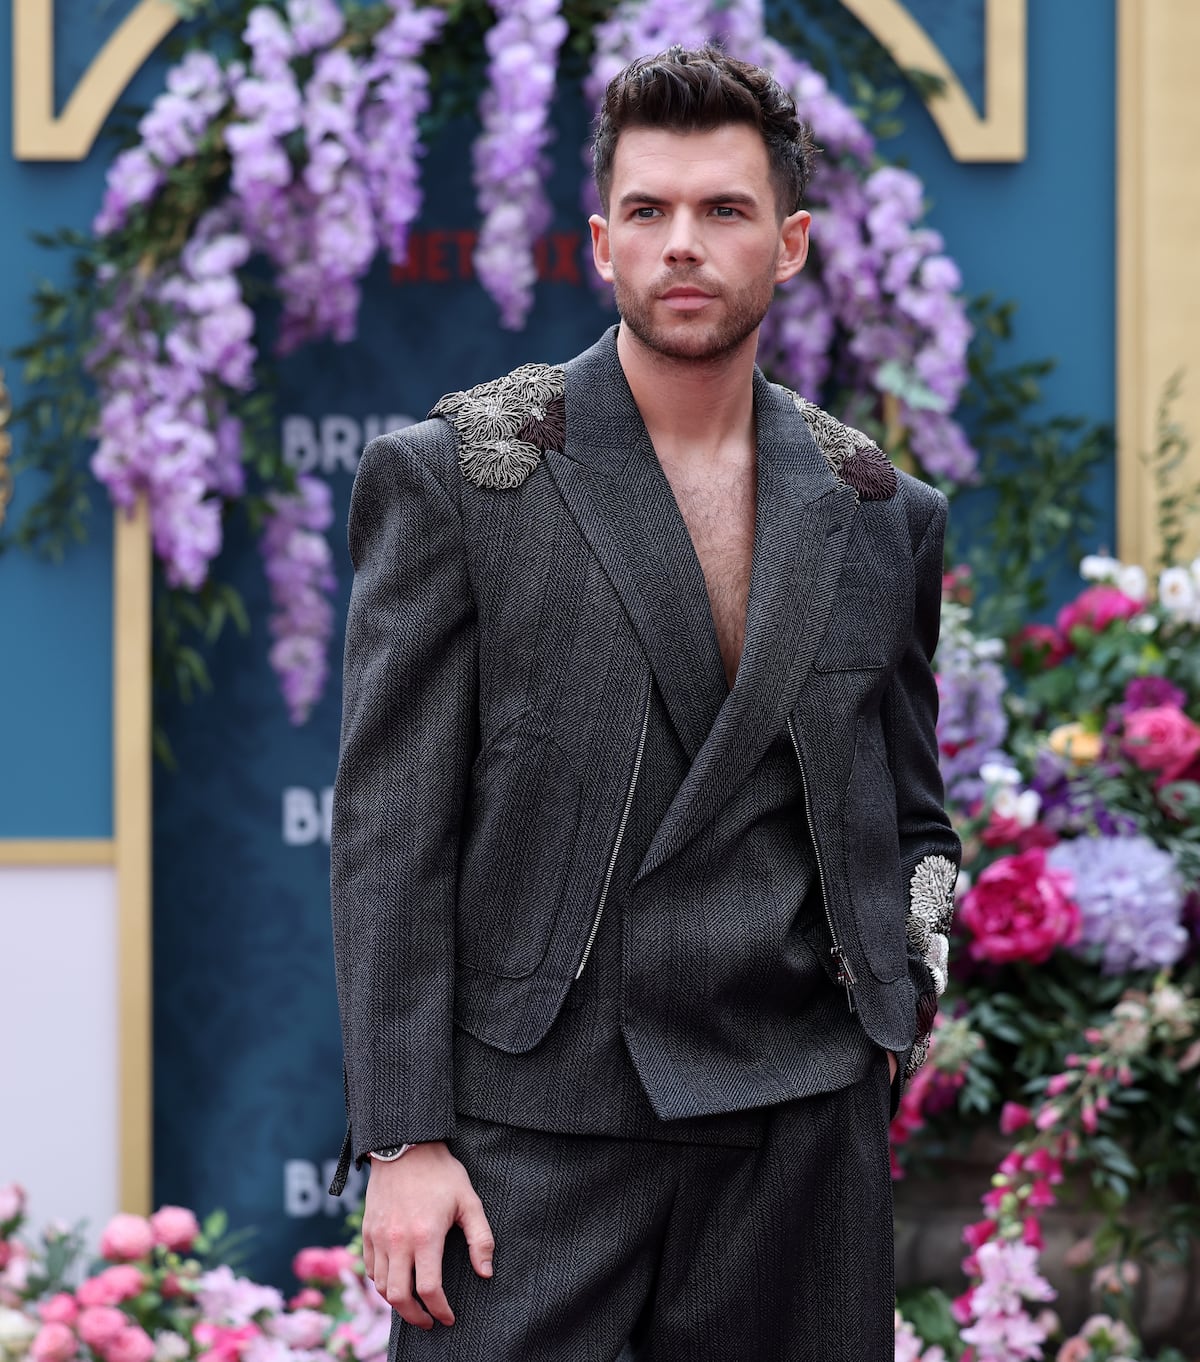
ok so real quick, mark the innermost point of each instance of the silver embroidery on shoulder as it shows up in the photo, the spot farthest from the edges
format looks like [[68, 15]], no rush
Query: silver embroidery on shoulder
[[853, 458], [917, 1055], [930, 913], [505, 425]]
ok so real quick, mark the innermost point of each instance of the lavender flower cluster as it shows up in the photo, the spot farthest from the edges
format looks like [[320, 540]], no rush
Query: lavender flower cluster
[[510, 168], [299, 570], [1130, 897], [972, 723]]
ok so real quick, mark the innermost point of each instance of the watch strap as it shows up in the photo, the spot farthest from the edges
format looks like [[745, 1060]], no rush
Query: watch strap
[[390, 1153]]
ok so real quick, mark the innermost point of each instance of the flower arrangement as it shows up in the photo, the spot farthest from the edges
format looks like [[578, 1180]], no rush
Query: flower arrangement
[[160, 1293], [1071, 1022], [298, 148]]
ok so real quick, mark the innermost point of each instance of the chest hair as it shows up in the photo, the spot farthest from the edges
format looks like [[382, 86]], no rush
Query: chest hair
[[718, 510]]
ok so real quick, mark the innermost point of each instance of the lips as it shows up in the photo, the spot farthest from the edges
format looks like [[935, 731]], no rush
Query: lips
[[685, 299]]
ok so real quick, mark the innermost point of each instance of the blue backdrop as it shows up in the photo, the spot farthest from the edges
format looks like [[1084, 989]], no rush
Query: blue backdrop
[[247, 1054]]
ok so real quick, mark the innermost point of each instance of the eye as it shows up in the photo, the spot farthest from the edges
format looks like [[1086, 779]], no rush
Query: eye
[[645, 213], [723, 210]]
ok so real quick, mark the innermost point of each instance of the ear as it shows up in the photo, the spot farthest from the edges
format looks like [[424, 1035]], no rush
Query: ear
[[601, 254], [793, 245]]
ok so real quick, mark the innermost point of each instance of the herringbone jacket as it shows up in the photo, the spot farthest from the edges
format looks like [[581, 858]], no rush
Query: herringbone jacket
[[509, 616]]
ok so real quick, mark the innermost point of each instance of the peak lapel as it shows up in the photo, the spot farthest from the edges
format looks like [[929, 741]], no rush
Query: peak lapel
[[619, 496], [803, 517]]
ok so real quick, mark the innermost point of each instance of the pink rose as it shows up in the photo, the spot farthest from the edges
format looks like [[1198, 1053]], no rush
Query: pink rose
[[112, 1286], [1161, 739], [175, 1228], [311, 1299], [127, 1237], [1020, 908], [1037, 647], [54, 1343], [60, 1309], [1095, 609], [100, 1324], [321, 1264], [12, 1202], [132, 1344]]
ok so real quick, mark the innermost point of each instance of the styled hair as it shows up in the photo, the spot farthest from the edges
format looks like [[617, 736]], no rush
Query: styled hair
[[697, 90]]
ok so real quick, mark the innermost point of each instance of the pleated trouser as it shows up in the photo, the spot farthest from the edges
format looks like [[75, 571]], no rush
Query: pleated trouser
[[609, 1249]]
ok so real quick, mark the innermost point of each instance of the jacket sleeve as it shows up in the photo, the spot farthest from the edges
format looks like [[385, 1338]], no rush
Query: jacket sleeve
[[929, 849], [408, 736]]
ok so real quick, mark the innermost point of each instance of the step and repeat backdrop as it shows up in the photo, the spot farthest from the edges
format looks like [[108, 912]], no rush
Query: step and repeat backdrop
[[247, 1065]]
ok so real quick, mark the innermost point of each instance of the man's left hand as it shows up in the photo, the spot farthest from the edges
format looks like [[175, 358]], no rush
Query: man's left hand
[[893, 1064]]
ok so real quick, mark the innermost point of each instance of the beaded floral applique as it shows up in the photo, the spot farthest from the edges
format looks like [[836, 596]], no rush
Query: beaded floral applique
[[930, 913], [853, 458], [505, 426]]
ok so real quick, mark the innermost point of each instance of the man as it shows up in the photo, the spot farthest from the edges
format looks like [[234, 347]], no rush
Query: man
[[641, 874]]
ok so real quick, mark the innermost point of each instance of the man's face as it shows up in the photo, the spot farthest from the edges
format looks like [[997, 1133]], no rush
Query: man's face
[[692, 243]]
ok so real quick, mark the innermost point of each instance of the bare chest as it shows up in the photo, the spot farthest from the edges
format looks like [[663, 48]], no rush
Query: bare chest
[[718, 510]]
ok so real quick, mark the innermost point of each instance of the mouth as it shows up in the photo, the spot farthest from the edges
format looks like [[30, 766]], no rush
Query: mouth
[[685, 299]]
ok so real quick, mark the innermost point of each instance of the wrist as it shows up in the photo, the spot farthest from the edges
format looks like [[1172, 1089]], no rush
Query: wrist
[[389, 1153]]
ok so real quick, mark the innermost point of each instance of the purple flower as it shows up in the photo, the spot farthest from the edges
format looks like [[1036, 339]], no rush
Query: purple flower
[[972, 724], [1150, 692], [298, 565], [1130, 897], [508, 155]]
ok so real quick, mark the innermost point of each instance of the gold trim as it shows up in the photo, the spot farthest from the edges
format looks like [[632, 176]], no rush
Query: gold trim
[[55, 851], [1158, 268], [999, 134], [38, 135], [132, 825]]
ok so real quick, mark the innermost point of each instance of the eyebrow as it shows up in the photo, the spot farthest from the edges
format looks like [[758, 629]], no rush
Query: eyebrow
[[734, 196]]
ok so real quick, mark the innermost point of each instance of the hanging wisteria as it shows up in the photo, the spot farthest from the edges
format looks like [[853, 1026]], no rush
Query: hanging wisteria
[[310, 131]]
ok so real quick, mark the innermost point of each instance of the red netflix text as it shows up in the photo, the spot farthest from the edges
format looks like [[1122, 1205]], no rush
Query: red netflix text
[[444, 257]]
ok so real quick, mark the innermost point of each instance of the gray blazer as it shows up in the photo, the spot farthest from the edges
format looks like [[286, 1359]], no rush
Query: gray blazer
[[508, 618]]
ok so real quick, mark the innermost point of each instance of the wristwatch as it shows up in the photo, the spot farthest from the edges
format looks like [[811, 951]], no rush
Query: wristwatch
[[391, 1153]]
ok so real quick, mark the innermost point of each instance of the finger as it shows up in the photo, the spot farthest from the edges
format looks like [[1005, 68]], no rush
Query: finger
[[399, 1291], [429, 1281], [369, 1256], [893, 1065], [480, 1242]]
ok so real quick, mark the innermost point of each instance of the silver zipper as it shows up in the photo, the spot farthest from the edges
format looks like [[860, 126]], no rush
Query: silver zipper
[[612, 860], [845, 975]]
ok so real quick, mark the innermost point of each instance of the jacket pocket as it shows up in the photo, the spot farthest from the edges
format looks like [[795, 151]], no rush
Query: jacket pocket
[[872, 846], [524, 813]]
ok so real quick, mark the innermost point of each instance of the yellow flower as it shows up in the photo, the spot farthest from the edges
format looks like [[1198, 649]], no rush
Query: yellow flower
[[1076, 743]]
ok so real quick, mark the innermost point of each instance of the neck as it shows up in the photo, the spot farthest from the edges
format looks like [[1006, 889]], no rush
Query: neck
[[698, 409]]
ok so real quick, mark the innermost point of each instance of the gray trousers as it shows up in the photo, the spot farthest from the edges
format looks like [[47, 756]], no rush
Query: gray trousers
[[610, 1249]]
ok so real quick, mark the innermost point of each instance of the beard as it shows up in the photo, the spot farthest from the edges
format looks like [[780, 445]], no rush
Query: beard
[[688, 335]]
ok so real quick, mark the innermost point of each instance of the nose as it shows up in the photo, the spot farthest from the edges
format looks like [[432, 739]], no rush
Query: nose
[[683, 245]]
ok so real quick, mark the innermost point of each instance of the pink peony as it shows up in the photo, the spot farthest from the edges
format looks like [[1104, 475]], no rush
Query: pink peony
[[54, 1343], [322, 1264], [127, 1237], [60, 1309], [1020, 909], [307, 1299], [175, 1228], [112, 1286], [302, 1329], [100, 1324], [1161, 739], [1095, 609], [132, 1344]]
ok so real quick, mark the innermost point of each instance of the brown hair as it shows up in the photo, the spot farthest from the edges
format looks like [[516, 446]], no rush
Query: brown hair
[[698, 90]]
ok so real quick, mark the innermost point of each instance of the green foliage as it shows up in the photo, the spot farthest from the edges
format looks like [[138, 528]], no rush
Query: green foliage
[[928, 1311], [1035, 470]]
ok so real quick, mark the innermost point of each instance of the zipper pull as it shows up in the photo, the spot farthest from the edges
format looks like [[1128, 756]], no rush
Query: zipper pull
[[845, 975]]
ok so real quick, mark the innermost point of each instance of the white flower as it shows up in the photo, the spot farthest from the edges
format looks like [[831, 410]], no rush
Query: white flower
[[1196, 571], [988, 648], [1022, 808], [1132, 581], [16, 1333], [998, 773], [1143, 624], [1098, 567], [169, 1347], [962, 884], [1177, 591]]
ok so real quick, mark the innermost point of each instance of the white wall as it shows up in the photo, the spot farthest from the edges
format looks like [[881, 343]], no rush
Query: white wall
[[59, 1132]]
